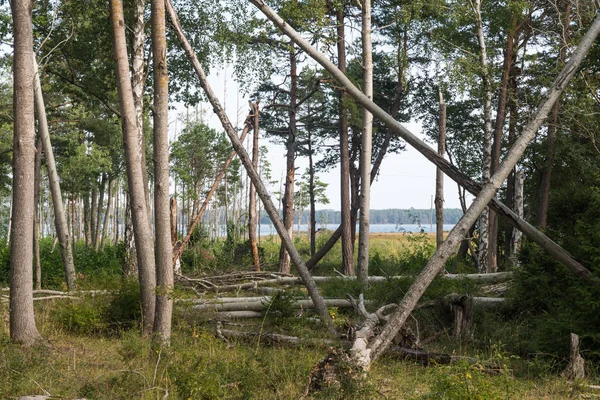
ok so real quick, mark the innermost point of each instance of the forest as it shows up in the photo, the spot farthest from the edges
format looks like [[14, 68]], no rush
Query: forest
[[132, 264]]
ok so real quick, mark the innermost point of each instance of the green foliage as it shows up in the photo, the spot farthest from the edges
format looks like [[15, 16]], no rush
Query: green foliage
[[556, 303], [100, 314]]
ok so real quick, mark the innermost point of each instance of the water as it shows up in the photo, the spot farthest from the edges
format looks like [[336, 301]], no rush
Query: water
[[266, 229]]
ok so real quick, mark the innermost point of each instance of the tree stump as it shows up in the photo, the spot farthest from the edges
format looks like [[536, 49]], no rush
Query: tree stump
[[576, 368], [462, 307]]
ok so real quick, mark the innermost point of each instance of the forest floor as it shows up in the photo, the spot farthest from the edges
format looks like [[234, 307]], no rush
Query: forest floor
[[92, 349]]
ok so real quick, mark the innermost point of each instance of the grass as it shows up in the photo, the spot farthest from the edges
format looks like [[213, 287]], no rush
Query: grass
[[94, 350]]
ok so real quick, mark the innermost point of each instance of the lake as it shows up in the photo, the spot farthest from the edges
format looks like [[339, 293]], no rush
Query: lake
[[266, 229]]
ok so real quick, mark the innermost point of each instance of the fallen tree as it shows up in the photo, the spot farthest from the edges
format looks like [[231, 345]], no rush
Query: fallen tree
[[255, 178], [369, 350], [450, 170], [215, 283]]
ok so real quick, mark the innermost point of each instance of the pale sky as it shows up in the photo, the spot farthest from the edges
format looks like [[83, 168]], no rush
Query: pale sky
[[406, 180]]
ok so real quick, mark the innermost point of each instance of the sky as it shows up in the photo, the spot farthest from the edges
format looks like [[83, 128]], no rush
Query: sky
[[406, 180]]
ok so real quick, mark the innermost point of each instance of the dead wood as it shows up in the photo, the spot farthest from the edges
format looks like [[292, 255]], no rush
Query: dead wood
[[576, 368]]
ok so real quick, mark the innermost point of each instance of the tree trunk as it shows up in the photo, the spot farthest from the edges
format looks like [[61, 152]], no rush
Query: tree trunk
[[130, 264], [87, 220], [62, 229], [93, 212], [497, 146], [22, 321], [312, 223], [261, 191], [138, 82], [366, 148], [515, 243], [36, 223], [290, 146], [98, 215], [439, 177], [484, 240], [162, 214], [565, 19], [107, 213], [252, 216], [136, 183], [346, 224]]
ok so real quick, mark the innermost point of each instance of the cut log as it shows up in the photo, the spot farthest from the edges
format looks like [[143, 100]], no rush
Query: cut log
[[277, 338]]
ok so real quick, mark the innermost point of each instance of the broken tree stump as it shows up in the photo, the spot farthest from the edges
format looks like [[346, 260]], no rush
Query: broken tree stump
[[576, 368]]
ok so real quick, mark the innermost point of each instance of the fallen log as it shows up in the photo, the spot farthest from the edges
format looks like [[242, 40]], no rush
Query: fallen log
[[208, 283], [262, 303]]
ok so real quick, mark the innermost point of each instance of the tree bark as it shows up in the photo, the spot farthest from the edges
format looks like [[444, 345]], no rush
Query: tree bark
[[346, 225], [60, 219], [252, 215], [22, 321], [484, 240], [142, 234], [162, 214], [256, 180], [439, 177], [365, 150], [36, 221]]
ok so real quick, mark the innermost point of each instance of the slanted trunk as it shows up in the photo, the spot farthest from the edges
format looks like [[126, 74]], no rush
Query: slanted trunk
[[252, 215], [143, 236], [22, 321], [439, 177], [62, 229], [365, 150], [162, 214], [261, 191]]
